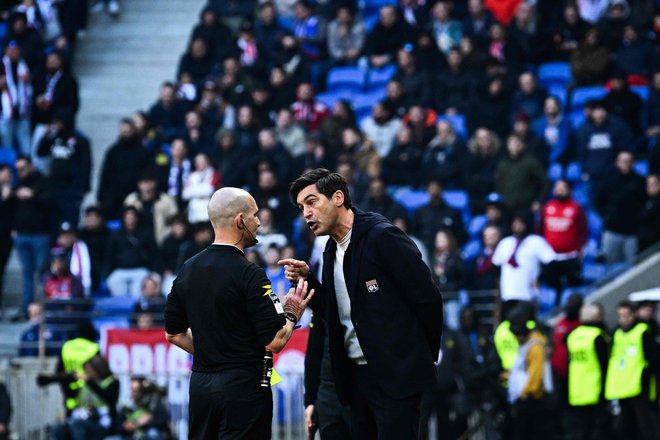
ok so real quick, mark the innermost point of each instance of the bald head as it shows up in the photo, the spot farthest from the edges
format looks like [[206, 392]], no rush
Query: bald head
[[228, 202]]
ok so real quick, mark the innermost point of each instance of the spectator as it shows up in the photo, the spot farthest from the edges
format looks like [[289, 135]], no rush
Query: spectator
[[567, 35], [331, 129], [28, 39], [316, 154], [483, 158], [529, 383], [52, 337], [346, 35], [598, 142], [175, 172], [591, 59], [56, 90], [268, 234], [454, 87], [388, 35], [167, 114], [529, 97], [520, 178], [504, 52], [249, 51], [624, 103], [396, 98], [377, 200], [445, 158], [70, 160], [587, 414], [282, 87], [447, 32], [564, 227], [59, 283], [268, 193], [95, 234], [76, 256], [415, 82], [536, 145], [613, 22], [198, 61], [402, 165], [402, 223], [436, 215], [485, 273], [151, 301], [215, 32], [15, 100], [198, 189], [33, 224], [216, 113], [556, 130], [380, 129], [523, 30], [446, 263], [649, 233], [7, 212], [198, 137], [272, 155], [490, 108], [229, 160], [629, 376], [634, 57], [145, 417], [496, 213], [289, 133], [653, 123], [422, 123], [171, 248], [154, 206], [520, 257], [309, 30], [202, 237], [269, 32], [131, 253], [122, 164], [559, 359], [306, 110], [478, 21], [619, 202]]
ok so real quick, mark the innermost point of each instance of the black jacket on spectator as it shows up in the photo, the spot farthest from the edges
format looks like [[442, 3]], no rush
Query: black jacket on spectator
[[32, 48], [453, 274], [65, 96], [386, 41], [130, 250], [97, 243], [168, 121], [490, 111], [231, 165], [70, 160], [649, 223], [430, 218], [627, 105], [169, 252], [480, 177], [619, 199], [399, 327], [597, 147], [199, 69], [385, 206], [445, 163], [37, 214], [635, 58], [402, 165], [453, 90], [122, 165], [234, 8], [219, 37]]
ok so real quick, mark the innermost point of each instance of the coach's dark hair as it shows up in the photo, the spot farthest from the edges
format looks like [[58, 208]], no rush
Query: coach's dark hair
[[326, 181]]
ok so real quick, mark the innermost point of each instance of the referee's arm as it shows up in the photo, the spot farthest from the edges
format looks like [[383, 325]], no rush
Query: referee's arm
[[295, 304], [182, 340], [177, 328]]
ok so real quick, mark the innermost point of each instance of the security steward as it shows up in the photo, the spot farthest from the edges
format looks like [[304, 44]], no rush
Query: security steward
[[237, 321], [629, 380], [588, 355]]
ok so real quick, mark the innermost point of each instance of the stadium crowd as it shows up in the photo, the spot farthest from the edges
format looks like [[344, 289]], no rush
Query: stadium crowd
[[517, 142]]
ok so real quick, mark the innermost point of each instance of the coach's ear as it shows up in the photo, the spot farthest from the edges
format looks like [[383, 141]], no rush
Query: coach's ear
[[338, 198]]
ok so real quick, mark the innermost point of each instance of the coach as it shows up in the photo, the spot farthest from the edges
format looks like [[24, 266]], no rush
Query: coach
[[227, 303], [383, 310]]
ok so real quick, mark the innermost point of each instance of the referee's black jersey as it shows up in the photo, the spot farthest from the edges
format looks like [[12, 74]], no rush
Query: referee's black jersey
[[230, 307]]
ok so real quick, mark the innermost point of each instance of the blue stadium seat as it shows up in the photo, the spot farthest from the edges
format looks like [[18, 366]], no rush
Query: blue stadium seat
[[346, 78], [595, 224], [285, 23], [581, 194], [574, 172], [642, 91], [370, 21], [583, 291], [555, 171], [641, 167], [7, 156], [114, 305], [367, 99], [593, 271], [577, 118], [476, 225], [378, 78], [582, 95], [546, 299], [458, 122], [459, 199], [113, 225], [331, 98], [550, 74], [410, 199], [471, 249], [591, 250]]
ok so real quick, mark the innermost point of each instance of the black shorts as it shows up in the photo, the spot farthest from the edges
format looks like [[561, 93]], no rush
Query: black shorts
[[229, 406]]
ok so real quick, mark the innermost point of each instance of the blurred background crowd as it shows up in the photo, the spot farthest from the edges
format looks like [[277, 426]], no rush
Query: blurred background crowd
[[517, 142]]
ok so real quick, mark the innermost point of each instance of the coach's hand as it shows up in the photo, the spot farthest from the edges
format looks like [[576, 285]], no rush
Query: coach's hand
[[295, 302], [294, 270]]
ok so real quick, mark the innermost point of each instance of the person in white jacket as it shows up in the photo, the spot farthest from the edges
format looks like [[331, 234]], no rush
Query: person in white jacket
[[199, 188]]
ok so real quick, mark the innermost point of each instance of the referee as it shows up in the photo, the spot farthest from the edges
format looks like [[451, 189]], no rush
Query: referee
[[227, 303]]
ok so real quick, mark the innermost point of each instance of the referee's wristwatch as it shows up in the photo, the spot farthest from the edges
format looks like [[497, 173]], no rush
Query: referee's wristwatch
[[291, 317]]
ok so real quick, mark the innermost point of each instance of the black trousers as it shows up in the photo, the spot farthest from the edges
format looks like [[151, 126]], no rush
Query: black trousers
[[590, 422], [530, 420], [6, 243], [638, 419], [375, 415], [561, 274], [229, 406], [334, 419]]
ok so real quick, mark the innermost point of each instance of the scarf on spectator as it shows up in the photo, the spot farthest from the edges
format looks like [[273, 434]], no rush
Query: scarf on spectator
[[16, 96], [52, 83]]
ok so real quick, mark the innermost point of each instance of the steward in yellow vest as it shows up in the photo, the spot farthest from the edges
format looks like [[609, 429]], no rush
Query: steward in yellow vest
[[628, 376], [588, 354]]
